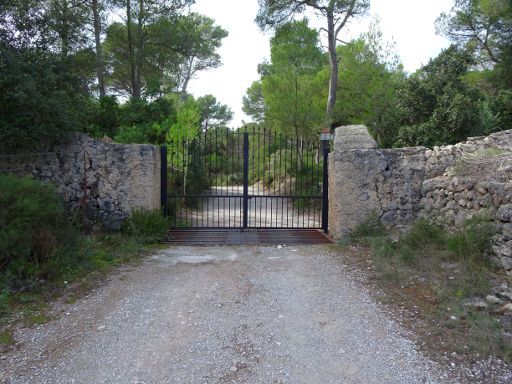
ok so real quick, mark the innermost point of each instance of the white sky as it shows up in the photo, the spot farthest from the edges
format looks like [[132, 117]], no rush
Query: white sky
[[410, 23]]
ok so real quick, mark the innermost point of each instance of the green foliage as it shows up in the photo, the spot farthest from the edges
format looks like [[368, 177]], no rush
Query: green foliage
[[213, 114], [367, 94], [169, 50], [501, 106], [147, 226], [254, 103], [288, 82], [485, 25], [435, 271], [473, 242], [435, 105], [107, 116], [371, 227], [146, 122], [34, 232], [275, 14], [6, 338], [40, 100]]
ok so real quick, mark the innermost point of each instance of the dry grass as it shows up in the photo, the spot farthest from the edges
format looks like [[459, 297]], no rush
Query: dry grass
[[433, 273], [486, 164]]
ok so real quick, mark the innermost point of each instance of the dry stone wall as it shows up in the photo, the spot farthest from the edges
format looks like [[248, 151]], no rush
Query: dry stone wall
[[103, 181], [401, 185]]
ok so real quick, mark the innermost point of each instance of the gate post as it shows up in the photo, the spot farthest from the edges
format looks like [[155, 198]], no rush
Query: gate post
[[245, 201], [325, 139], [163, 181]]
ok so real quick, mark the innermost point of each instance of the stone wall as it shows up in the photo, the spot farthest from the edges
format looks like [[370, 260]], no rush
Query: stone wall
[[116, 179], [400, 185]]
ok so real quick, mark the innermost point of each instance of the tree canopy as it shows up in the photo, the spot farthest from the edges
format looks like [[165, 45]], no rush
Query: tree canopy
[[65, 64], [337, 13]]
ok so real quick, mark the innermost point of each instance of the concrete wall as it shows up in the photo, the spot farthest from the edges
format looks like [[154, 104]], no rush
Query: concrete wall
[[116, 179], [402, 184]]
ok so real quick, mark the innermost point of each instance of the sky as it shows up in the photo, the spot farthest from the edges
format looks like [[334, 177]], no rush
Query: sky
[[407, 23]]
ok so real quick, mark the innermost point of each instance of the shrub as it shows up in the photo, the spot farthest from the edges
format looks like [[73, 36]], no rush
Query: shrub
[[473, 242], [33, 227], [370, 227], [147, 226]]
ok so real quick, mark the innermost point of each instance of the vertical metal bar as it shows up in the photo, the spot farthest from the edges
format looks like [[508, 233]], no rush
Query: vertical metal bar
[[301, 173], [205, 180], [246, 180], [284, 143], [163, 181], [174, 199], [309, 187], [228, 192], [259, 171], [325, 188], [293, 189], [281, 177]]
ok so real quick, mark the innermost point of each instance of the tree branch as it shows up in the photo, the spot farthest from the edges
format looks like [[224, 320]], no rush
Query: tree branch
[[345, 19], [485, 42]]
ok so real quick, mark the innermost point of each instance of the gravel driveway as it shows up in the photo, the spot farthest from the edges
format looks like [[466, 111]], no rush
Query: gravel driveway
[[222, 315]]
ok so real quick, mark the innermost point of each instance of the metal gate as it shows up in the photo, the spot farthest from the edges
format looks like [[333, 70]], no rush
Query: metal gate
[[245, 179]]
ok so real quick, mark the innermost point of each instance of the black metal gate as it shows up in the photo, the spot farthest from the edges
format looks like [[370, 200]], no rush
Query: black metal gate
[[249, 178]]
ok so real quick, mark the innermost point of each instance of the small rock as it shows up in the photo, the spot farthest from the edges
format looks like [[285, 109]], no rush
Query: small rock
[[507, 308], [277, 343], [504, 213], [493, 299], [101, 328], [453, 318], [506, 262], [233, 368], [505, 294], [475, 303]]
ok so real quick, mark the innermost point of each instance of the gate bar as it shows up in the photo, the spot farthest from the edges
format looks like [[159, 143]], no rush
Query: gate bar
[[325, 138], [163, 181], [246, 180]]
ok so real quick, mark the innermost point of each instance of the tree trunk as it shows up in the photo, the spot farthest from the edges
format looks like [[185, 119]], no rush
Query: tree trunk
[[139, 54], [64, 29], [99, 52], [131, 53], [333, 62], [187, 77]]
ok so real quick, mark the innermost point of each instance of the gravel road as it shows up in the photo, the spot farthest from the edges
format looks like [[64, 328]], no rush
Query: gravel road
[[242, 314]]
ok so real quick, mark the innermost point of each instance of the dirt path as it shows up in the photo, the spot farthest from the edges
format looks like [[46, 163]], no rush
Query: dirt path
[[223, 315]]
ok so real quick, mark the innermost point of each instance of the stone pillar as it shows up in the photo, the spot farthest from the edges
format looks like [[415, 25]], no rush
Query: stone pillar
[[354, 165]]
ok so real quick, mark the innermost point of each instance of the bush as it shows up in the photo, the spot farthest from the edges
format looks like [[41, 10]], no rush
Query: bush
[[370, 227], [33, 228], [41, 100], [147, 226]]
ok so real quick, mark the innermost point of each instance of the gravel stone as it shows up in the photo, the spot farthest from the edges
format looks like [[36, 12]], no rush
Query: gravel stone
[[240, 314]]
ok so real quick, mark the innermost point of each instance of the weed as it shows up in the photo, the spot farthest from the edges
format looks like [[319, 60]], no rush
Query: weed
[[6, 338], [451, 266], [484, 164], [371, 227], [36, 319], [34, 229], [147, 226], [472, 242]]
